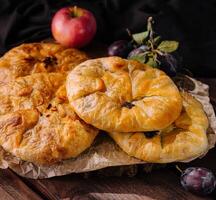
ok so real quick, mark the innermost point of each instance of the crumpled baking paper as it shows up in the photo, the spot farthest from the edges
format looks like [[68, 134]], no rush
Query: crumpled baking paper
[[104, 152]]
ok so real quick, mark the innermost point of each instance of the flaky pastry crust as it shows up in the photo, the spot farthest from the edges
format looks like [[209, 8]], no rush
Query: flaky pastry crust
[[185, 139], [38, 57], [36, 122], [115, 94]]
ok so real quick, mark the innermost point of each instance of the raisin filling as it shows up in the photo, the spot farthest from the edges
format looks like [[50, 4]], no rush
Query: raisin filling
[[49, 106], [50, 61], [150, 134], [128, 105]]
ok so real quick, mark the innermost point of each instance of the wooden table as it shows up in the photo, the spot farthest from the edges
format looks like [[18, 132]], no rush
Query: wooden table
[[161, 184]]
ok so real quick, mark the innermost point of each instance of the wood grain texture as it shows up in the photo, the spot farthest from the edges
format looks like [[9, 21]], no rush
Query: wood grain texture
[[161, 184], [12, 187]]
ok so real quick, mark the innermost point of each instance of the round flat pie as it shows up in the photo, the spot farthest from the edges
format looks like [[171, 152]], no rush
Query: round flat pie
[[37, 123], [185, 139], [115, 94], [38, 57]]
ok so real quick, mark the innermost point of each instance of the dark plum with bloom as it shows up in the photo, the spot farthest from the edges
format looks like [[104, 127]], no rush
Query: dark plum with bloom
[[138, 51], [119, 48], [169, 64], [198, 180]]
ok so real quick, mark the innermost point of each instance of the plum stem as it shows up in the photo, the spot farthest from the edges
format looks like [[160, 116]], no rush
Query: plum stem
[[179, 169], [149, 28], [129, 33], [158, 52]]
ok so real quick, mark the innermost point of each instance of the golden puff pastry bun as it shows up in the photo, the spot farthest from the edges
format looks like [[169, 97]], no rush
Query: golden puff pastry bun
[[37, 123], [114, 94], [38, 57], [185, 139]]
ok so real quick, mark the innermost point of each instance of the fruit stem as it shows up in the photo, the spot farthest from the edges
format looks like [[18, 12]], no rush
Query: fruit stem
[[158, 52], [179, 169], [149, 27], [132, 42], [129, 33], [75, 11]]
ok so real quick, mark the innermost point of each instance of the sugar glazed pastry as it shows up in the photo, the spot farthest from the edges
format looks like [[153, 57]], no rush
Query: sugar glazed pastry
[[118, 95], [185, 139], [38, 57], [36, 122]]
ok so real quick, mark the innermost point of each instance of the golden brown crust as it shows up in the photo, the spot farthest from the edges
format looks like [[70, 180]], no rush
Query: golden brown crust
[[38, 57], [36, 122], [185, 139], [114, 94]]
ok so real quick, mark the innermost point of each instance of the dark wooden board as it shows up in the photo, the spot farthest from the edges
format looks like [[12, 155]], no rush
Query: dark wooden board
[[161, 184], [12, 187]]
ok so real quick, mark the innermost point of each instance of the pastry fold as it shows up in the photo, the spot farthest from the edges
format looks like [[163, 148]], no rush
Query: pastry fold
[[36, 122], [118, 95], [185, 139]]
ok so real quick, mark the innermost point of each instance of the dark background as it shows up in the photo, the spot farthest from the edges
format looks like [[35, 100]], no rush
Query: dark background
[[191, 22]]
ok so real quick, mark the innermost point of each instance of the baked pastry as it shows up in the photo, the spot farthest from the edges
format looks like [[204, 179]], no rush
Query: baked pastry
[[185, 139], [118, 95], [37, 123], [38, 57]]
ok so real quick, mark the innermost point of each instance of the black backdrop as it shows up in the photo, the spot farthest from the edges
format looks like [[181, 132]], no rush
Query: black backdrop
[[191, 22]]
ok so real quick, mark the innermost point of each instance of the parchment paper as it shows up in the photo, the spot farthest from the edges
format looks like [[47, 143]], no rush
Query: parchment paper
[[104, 152]]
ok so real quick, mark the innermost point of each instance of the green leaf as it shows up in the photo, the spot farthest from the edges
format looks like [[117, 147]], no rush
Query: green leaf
[[141, 58], [168, 46], [140, 37], [152, 62]]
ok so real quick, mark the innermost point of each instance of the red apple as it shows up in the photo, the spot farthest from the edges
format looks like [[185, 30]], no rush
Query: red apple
[[73, 26]]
